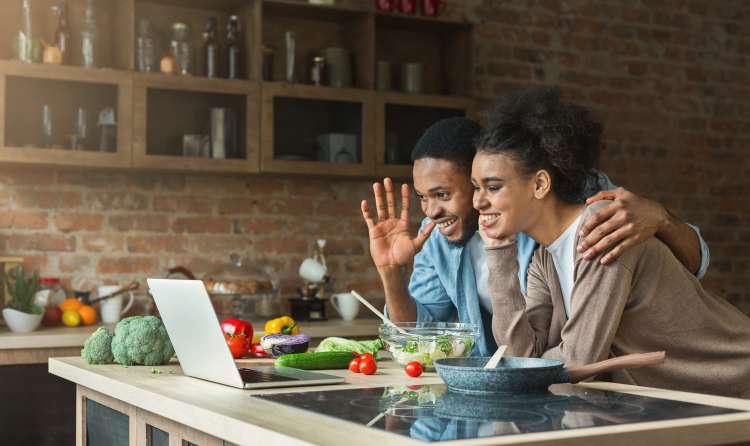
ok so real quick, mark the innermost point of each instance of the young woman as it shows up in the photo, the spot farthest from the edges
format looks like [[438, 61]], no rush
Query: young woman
[[533, 159]]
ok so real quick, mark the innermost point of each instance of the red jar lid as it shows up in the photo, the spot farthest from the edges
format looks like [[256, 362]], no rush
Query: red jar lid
[[49, 281]]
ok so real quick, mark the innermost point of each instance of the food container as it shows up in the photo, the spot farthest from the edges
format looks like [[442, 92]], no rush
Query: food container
[[428, 341], [241, 289]]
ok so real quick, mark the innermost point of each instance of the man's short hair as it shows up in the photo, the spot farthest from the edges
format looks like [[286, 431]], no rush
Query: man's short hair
[[451, 139]]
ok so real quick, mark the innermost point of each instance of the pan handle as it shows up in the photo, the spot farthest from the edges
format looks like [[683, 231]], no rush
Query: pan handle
[[578, 374]]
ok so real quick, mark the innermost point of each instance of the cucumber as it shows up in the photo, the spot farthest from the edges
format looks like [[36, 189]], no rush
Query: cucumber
[[316, 360]]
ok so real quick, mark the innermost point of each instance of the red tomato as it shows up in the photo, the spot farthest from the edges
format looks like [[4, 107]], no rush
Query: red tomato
[[354, 365], [367, 366], [233, 326], [413, 369], [367, 356], [239, 345]]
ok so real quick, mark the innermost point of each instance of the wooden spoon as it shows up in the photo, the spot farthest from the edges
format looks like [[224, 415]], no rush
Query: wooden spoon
[[495, 359]]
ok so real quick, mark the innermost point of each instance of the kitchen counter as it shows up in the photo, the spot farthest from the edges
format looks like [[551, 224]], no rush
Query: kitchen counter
[[38, 346], [194, 409]]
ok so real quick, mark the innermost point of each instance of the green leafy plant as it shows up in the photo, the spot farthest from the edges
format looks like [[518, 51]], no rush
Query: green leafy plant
[[22, 291]]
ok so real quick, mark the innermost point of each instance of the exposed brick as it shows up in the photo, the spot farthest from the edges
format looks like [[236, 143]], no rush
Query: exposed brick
[[103, 243], [23, 220], [68, 222], [200, 225], [74, 264], [144, 222], [157, 244], [237, 205], [283, 246], [40, 242], [127, 265], [47, 199], [263, 226], [182, 204], [344, 247], [117, 201], [219, 244]]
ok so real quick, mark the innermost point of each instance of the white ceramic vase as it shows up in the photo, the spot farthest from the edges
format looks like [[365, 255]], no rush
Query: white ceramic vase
[[20, 322]]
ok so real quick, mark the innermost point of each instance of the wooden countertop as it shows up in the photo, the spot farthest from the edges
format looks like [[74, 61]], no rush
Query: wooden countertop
[[228, 413], [62, 337]]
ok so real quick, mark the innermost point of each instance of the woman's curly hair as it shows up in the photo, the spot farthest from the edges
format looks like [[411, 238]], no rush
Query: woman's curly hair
[[541, 132]]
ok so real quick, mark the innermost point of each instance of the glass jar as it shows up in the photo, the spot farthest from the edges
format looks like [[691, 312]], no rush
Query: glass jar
[[180, 47], [244, 290], [146, 47]]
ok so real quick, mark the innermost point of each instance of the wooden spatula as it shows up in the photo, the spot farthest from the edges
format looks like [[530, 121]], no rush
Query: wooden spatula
[[495, 359]]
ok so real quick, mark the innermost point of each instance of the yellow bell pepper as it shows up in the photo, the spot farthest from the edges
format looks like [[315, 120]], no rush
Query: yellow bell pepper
[[283, 325]]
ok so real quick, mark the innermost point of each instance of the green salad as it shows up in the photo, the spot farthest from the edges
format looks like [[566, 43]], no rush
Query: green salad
[[428, 349]]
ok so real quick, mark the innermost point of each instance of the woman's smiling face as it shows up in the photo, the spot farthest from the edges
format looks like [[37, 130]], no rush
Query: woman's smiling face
[[503, 194]]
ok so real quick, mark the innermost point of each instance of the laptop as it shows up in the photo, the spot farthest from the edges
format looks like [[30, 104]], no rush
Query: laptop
[[193, 328]]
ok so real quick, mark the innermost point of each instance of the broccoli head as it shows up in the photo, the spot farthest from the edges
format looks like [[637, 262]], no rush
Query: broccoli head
[[98, 347], [141, 340]]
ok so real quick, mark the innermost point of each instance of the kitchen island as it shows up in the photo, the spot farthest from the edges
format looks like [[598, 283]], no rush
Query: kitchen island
[[162, 406]]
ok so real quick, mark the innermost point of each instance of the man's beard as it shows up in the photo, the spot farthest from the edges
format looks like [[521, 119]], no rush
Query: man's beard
[[468, 230]]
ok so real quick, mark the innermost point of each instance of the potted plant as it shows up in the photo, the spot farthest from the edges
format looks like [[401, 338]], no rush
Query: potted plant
[[21, 314]]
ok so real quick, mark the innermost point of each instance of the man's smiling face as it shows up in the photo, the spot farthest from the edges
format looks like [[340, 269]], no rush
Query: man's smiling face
[[445, 193]]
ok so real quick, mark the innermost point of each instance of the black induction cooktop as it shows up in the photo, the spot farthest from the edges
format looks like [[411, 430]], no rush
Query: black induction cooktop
[[432, 413]]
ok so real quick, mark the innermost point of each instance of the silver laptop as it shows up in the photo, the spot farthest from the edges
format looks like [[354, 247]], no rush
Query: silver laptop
[[190, 319]]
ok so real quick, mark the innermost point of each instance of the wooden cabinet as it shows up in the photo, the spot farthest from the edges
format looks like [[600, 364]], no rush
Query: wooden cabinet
[[275, 126], [316, 130], [401, 120], [42, 107], [173, 127]]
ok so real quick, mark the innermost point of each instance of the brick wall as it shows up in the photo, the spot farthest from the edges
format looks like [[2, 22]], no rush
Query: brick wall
[[670, 80]]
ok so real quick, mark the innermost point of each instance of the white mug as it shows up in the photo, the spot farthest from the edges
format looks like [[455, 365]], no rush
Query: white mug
[[111, 309], [346, 304], [312, 270]]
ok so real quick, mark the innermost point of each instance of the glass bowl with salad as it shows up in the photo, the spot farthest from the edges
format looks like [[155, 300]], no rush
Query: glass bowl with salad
[[427, 341]]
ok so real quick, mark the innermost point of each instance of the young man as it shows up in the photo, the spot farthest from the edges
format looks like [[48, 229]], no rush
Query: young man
[[449, 280]]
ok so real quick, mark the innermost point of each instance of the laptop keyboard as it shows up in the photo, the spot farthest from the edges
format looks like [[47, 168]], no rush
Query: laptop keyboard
[[255, 376]]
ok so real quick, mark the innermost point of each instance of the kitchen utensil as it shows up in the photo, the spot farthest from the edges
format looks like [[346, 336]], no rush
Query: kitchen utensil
[[495, 359], [378, 313], [346, 304], [312, 271], [528, 374], [428, 341]]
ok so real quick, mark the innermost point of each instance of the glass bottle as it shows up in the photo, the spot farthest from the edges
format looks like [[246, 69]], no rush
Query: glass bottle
[[82, 124], [47, 126], [210, 49], [62, 33], [234, 48], [180, 47], [146, 47], [24, 33], [88, 37], [318, 68]]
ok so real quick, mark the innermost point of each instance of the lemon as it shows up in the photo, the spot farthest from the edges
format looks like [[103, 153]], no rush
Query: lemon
[[71, 318]]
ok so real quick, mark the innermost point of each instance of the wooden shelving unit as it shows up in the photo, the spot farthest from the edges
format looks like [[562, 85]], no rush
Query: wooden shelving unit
[[154, 110]]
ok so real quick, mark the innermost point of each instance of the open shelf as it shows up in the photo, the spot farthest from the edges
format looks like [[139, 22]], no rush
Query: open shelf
[[401, 121], [438, 45], [316, 130], [112, 23], [28, 88], [315, 28], [195, 13], [175, 127]]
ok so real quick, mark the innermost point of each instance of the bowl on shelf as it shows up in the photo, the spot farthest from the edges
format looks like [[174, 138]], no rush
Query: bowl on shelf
[[427, 341]]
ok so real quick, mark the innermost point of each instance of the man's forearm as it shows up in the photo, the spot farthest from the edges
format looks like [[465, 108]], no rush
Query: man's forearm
[[401, 308], [682, 241]]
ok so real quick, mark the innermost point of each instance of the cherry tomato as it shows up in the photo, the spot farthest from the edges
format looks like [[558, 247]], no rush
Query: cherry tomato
[[239, 345], [413, 369], [367, 356], [354, 365], [367, 366]]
